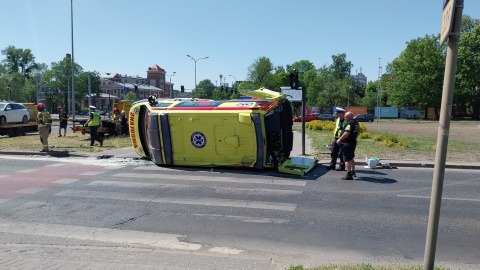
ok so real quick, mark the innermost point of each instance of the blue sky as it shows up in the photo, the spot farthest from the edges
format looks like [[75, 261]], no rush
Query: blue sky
[[127, 37]]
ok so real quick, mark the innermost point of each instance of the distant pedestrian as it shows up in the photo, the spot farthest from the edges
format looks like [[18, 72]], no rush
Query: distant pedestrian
[[335, 148], [348, 143], [116, 115], [63, 116], [44, 125], [93, 123], [124, 123]]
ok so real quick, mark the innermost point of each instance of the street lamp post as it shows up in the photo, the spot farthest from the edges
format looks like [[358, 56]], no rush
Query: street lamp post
[[73, 71], [235, 79], [171, 87], [195, 60]]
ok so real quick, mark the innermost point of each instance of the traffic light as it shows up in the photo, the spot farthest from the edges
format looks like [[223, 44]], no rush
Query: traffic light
[[136, 88], [294, 79], [221, 88], [182, 88]]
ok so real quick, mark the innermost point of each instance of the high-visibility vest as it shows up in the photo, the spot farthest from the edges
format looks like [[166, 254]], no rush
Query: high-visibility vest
[[95, 121], [338, 127], [44, 118]]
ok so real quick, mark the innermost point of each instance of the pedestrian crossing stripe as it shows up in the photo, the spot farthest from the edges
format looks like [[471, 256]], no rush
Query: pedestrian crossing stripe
[[265, 205], [209, 178]]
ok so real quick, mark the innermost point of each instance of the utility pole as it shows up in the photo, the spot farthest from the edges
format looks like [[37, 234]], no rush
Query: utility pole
[[452, 12], [379, 89]]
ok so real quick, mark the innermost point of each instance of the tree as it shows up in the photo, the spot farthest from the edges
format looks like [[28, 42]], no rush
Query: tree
[[81, 86], [341, 68], [260, 73], [417, 75], [207, 88], [301, 66], [131, 95], [371, 95], [13, 87], [19, 60], [467, 90]]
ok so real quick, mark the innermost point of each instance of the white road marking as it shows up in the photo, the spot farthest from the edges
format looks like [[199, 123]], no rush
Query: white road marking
[[246, 219], [31, 190], [161, 240], [226, 250], [443, 198], [173, 169], [3, 176], [91, 173], [213, 179], [55, 165], [244, 191], [29, 170], [66, 181], [181, 200]]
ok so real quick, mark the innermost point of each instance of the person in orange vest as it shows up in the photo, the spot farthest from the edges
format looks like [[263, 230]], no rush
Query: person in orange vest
[[93, 123], [44, 125]]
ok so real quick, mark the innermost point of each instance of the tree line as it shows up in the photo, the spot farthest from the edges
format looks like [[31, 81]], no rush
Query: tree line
[[20, 76], [413, 79]]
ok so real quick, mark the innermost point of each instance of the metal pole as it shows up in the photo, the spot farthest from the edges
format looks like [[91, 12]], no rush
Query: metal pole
[[36, 90], [73, 66], [442, 138], [195, 60], [171, 87], [304, 104], [379, 97], [69, 101]]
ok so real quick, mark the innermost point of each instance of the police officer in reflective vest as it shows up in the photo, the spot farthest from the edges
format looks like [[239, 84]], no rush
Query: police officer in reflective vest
[[335, 148], [44, 125], [93, 123]]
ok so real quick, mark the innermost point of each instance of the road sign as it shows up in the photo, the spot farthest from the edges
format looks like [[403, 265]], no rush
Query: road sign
[[447, 20]]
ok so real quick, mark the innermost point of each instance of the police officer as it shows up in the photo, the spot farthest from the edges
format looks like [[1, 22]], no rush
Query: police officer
[[348, 143], [93, 123], [44, 125], [335, 148]]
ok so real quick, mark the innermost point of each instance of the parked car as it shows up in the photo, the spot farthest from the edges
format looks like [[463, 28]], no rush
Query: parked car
[[324, 116], [11, 112], [308, 118], [364, 117]]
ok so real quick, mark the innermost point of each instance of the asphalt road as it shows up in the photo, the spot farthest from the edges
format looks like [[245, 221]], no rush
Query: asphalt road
[[267, 217]]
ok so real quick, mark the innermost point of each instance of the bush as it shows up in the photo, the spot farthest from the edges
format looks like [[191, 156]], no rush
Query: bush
[[403, 144], [363, 128], [392, 137], [364, 135], [378, 138], [320, 125], [388, 143]]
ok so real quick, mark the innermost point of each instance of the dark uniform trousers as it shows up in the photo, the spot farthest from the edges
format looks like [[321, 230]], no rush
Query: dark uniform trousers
[[334, 154]]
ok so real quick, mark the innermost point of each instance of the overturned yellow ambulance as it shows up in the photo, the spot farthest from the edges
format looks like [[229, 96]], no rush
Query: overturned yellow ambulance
[[254, 133]]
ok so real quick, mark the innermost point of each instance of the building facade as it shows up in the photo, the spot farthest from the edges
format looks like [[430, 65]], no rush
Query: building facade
[[115, 84]]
